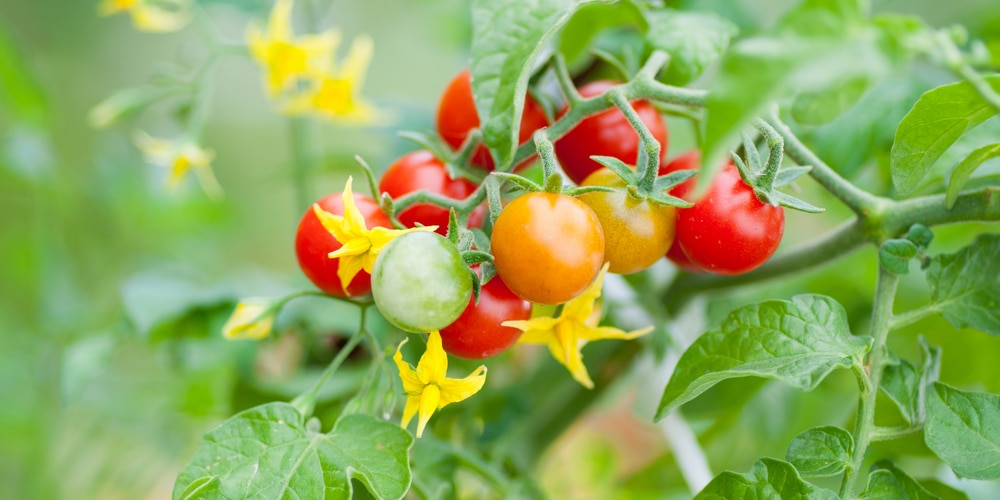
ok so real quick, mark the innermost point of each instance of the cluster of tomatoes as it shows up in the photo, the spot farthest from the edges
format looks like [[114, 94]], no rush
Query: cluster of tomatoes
[[547, 247]]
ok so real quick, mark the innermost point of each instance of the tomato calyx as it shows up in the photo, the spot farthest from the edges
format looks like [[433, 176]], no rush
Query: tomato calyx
[[766, 177]]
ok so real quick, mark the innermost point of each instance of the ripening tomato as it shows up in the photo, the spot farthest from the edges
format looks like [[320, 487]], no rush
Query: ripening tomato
[[421, 170], [420, 282], [606, 134], [690, 160], [636, 232], [457, 115], [547, 247], [313, 242], [729, 230], [477, 333]]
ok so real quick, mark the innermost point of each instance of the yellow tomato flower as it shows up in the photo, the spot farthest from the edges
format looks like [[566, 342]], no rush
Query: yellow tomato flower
[[252, 319], [576, 325], [151, 15], [180, 156], [428, 388], [336, 93], [285, 57], [360, 245]]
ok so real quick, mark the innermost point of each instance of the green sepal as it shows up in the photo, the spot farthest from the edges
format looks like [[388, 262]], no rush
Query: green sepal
[[666, 199], [788, 175], [521, 182], [789, 201], [453, 231], [370, 176], [621, 169], [577, 191], [667, 182], [430, 142], [554, 183]]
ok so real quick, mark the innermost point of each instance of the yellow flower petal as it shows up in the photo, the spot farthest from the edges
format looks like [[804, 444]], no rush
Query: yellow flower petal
[[573, 362], [334, 224], [156, 19], [429, 400], [348, 268], [412, 405], [354, 220], [352, 247], [251, 319], [455, 390], [108, 7], [279, 24], [411, 383], [358, 58], [609, 332], [582, 306], [434, 363]]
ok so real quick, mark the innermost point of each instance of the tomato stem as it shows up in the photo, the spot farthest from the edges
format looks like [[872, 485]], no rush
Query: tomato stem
[[648, 162], [764, 180], [306, 401]]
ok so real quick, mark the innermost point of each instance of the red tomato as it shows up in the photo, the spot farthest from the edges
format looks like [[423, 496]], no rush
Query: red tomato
[[690, 160], [547, 247], [313, 243], [729, 230], [477, 333], [606, 134], [421, 170], [457, 115]]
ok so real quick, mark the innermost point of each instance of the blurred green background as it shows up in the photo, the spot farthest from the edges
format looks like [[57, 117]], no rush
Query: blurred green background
[[114, 288]]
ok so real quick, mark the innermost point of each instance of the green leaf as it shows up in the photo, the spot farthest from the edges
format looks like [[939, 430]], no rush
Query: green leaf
[[817, 46], [887, 482], [963, 429], [964, 285], [508, 35], [943, 491], [21, 96], [935, 122], [895, 255], [769, 478], [920, 235], [821, 451], [963, 170], [818, 107], [575, 38], [904, 382], [798, 341], [694, 40], [269, 452]]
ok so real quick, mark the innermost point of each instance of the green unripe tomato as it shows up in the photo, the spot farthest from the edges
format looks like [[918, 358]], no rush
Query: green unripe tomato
[[420, 282]]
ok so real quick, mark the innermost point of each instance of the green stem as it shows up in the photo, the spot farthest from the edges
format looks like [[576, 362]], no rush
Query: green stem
[[306, 401], [890, 433], [910, 317], [775, 147], [864, 428], [300, 130], [857, 199], [650, 146]]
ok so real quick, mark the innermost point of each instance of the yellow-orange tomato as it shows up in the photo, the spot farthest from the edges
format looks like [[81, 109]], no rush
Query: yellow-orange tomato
[[636, 232], [547, 247]]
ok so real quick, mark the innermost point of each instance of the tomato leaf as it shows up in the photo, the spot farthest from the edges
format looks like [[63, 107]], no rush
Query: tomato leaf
[[798, 341], [963, 429], [817, 46], [507, 37], [965, 168], [821, 451], [575, 38], [694, 40], [904, 383], [943, 491], [895, 255], [964, 285], [769, 478], [935, 122], [269, 452], [887, 482], [818, 107]]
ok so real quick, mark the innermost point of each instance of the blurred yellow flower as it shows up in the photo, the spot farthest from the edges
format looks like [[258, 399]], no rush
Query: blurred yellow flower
[[252, 319], [158, 16], [360, 245], [180, 156], [285, 57], [572, 329], [428, 388], [336, 93]]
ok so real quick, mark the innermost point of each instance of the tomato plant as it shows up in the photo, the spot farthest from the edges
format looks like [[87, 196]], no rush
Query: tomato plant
[[547, 247], [313, 243], [477, 333], [606, 134], [457, 115], [729, 230], [421, 170], [420, 282], [637, 232]]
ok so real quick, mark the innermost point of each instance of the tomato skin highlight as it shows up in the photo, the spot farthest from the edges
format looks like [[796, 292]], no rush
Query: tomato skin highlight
[[420, 282], [457, 115], [421, 170], [313, 243], [477, 333], [730, 231], [547, 247], [607, 133], [637, 233]]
